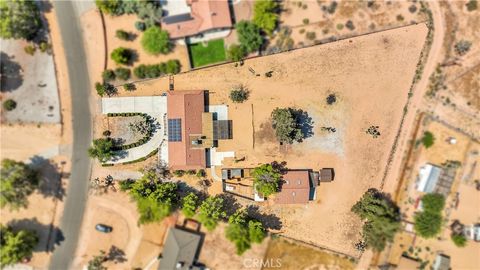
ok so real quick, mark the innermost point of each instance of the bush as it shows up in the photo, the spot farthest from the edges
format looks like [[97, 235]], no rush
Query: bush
[[44, 47], [400, 18], [108, 75], [105, 88], [100, 89], [339, 26], [140, 71], [412, 8], [122, 73], [311, 35], [428, 224], [349, 25], [306, 21], [129, 87], [428, 139], [459, 240], [472, 5], [249, 36], [30, 49], [140, 26], [107, 133], [179, 173], [462, 47], [201, 173], [121, 55], [433, 202], [156, 40], [239, 94], [191, 172], [235, 52], [9, 104], [265, 15], [172, 67], [122, 35]]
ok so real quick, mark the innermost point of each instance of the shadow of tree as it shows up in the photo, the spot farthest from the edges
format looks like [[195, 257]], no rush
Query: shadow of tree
[[116, 255], [230, 204], [269, 221], [304, 122], [49, 235], [50, 177], [11, 77]]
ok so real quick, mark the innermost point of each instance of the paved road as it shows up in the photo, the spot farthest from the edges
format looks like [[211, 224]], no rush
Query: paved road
[[82, 132]]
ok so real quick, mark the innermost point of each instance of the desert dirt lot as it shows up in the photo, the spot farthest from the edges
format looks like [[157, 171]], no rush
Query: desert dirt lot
[[370, 76]]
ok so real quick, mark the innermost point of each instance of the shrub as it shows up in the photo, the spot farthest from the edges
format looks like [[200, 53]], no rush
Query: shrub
[[179, 173], [306, 21], [235, 52], [107, 133], [459, 240], [105, 88], [302, 31], [428, 139], [30, 49], [332, 7], [400, 18], [191, 172], [462, 47], [44, 47], [140, 71], [122, 35], [172, 67], [156, 40], [121, 55], [108, 75], [349, 25], [472, 5], [100, 89], [122, 73], [201, 173], [9, 104], [311, 35], [129, 87], [239, 94], [249, 36], [339, 26], [428, 224], [140, 26], [433, 202], [412, 8]]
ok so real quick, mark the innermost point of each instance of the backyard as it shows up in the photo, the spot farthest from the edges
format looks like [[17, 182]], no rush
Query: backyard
[[207, 53]]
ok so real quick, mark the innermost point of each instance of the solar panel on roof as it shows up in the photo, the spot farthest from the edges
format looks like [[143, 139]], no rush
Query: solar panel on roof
[[174, 130]]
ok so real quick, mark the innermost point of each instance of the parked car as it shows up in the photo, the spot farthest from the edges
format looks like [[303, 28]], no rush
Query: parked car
[[103, 228]]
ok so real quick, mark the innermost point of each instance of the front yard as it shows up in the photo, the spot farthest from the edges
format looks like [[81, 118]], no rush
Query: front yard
[[207, 53]]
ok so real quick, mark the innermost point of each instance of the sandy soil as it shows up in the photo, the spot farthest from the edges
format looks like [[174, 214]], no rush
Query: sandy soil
[[358, 159], [127, 23]]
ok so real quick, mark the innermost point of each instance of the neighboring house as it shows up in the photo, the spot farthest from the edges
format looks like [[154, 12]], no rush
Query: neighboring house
[[442, 262], [298, 187], [192, 131], [473, 232], [197, 17], [180, 250], [435, 179]]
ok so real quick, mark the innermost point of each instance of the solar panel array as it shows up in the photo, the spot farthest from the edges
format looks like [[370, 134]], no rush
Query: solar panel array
[[174, 130]]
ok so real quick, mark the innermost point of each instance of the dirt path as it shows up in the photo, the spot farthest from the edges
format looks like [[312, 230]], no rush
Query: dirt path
[[434, 58]]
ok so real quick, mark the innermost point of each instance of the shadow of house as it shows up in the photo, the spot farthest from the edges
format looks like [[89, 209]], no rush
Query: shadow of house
[[50, 178], [11, 77], [49, 236]]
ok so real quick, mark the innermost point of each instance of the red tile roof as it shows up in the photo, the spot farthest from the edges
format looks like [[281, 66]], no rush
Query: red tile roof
[[295, 188], [205, 15], [188, 106]]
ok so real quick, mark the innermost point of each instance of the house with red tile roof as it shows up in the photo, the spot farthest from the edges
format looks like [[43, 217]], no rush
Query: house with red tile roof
[[204, 15], [298, 187]]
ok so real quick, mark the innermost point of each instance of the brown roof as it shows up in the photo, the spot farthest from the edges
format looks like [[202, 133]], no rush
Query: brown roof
[[295, 188], [187, 106], [205, 15]]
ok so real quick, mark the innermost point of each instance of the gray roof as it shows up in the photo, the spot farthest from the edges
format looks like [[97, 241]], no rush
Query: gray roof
[[442, 262], [178, 18], [180, 250], [433, 179]]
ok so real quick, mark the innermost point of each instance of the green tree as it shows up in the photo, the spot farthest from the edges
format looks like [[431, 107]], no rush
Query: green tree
[[266, 179], [433, 202], [15, 246], [239, 94], [242, 231], [112, 7], [121, 55], [102, 149], [17, 182], [210, 212], [122, 35], [249, 36], [235, 52], [129, 87], [19, 19], [462, 47], [156, 40], [285, 125], [172, 67], [381, 218], [256, 232], [96, 263], [459, 240], [472, 5], [238, 234], [189, 204], [427, 224], [155, 199], [265, 15], [9, 104], [428, 139]]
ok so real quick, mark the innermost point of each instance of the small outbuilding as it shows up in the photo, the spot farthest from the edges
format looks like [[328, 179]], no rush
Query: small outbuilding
[[327, 175]]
